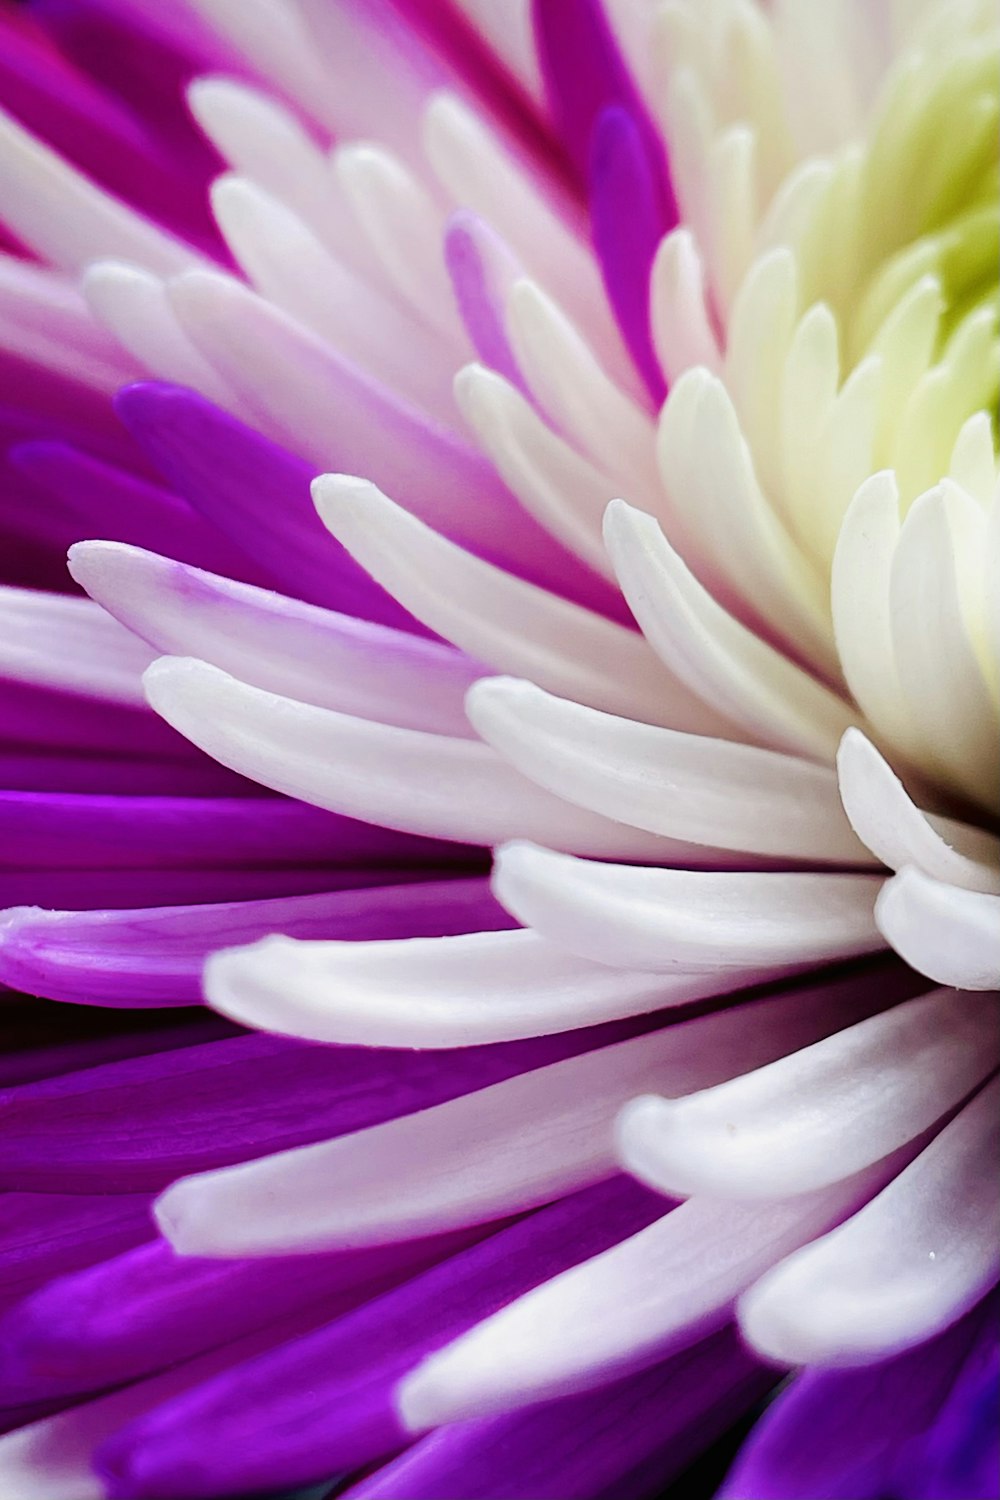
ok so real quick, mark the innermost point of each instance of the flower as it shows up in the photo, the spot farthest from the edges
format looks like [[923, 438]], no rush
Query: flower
[[711, 830]]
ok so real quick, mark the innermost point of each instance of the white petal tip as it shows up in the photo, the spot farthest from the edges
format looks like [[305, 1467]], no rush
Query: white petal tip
[[638, 1139]]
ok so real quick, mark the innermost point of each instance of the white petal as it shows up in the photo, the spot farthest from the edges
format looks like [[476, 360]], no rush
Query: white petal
[[707, 470], [698, 920], [398, 778], [508, 30], [516, 1144], [134, 305], [274, 37], [647, 1297], [859, 592], [57, 641], [437, 992], [711, 791], [291, 268], [265, 142], [313, 655], [681, 327], [67, 219], [572, 387], [525, 210], [900, 833], [905, 1267], [949, 934], [404, 228], [937, 666], [821, 1114], [498, 618], [743, 677], [561, 489]]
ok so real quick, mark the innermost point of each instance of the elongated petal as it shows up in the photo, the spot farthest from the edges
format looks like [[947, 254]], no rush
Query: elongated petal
[[818, 1115], [100, 499], [630, 215], [291, 267], [798, 1445], [482, 270], [561, 489], [958, 1453], [67, 219], [46, 1234], [644, 1298], [330, 660], [70, 831], [292, 394], [900, 833], [908, 1265], [52, 1459], [127, 1126], [147, 1308], [739, 674], [508, 1147], [477, 987], [697, 920], [949, 934], [421, 783], [156, 956], [641, 1432], [496, 617], [51, 641], [255, 493], [710, 791], [325, 1403]]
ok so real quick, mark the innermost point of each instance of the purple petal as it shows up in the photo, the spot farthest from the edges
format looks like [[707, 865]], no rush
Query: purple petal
[[584, 73], [625, 1442], [53, 719], [32, 1064], [42, 1236], [148, 1308], [73, 890], [256, 494], [134, 1126], [41, 830], [958, 1454], [324, 1403], [98, 499], [343, 420], [156, 957], [479, 291], [99, 135], [629, 216], [833, 1435], [51, 771]]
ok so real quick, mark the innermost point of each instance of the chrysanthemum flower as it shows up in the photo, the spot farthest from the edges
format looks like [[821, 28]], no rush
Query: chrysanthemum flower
[[662, 336]]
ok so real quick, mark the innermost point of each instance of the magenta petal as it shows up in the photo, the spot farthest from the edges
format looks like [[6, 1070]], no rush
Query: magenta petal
[[100, 136], [99, 500], [42, 1236], [53, 830], [256, 494], [148, 1308], [58, 720], [480, 303], [32, 1064], [623, 1442], [26, 770], [324, 1403], [630, 214], [834, 1434], [584, 73], [134, 1126], [156, 957]]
